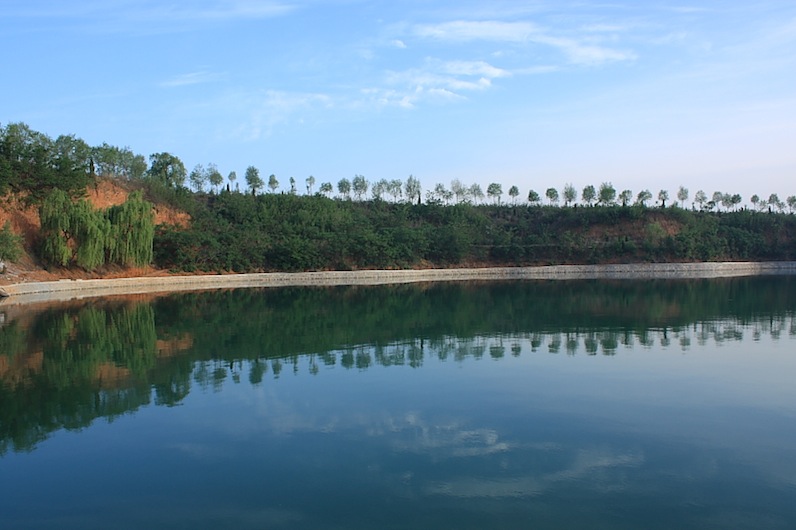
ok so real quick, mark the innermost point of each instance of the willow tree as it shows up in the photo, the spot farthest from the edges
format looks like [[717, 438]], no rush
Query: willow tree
[[73, 231], [92, 233], [55, 214], [132, 231]]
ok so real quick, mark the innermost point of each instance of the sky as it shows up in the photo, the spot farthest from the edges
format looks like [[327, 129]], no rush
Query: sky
[[533, 93]]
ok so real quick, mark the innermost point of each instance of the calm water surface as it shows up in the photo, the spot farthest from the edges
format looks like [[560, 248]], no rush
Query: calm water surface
[[655, 404]]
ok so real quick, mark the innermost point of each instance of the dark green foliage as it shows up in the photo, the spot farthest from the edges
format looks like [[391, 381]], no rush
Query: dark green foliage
[[111, 161], [66, 390], [32, 164], [167, 169], [10, 244], [241, 232]]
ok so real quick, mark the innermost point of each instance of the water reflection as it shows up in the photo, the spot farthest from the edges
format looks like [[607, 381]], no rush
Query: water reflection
[[62, 367], [517, 405]]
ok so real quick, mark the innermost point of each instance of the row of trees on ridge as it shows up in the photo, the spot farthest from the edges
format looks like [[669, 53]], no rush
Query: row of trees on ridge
[[386, 223]]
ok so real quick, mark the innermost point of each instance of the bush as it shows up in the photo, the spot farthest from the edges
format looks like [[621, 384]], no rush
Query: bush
[[10, 244]]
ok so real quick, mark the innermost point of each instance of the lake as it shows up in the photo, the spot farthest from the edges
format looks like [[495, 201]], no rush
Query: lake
[[534, 404]]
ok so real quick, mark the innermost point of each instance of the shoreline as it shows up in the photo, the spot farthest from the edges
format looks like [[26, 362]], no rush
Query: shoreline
[[64, 290]]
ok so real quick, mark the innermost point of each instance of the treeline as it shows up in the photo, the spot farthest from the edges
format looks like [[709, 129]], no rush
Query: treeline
[[358, 223], [270, 232]]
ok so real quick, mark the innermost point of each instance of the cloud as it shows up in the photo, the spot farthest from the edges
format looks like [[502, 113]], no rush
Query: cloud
[[398, 43], [462, 30], [588, 467], [440, 81], [260, 111], [381, 97], [577, 51], [587, 54], [413, 434], [474, 68], [192, 78]]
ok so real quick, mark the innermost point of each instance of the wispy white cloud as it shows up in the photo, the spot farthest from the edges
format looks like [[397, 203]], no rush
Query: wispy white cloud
[[441, 440], [463, 30], [588, 464], [192, 78], [441, 81], [257, 113], [583, 50], [406, 99], [474, 68], [587, 54]]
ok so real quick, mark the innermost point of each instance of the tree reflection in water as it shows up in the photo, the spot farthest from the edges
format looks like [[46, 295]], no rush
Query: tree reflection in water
[[66, 366]]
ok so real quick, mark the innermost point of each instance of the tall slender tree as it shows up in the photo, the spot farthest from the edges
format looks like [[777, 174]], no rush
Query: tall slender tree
[[214, 177], [344, 187], [682, 195], [643, 196], [588, 195], [701, 198], [412, 189], [273, 183], [663, 196], [607, 194], [552, 195], [360, 186], [514, 192], [570, 194], [253, 179], [476, 193]]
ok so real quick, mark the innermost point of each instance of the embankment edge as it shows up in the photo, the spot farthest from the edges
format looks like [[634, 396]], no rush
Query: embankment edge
[[73, 289]]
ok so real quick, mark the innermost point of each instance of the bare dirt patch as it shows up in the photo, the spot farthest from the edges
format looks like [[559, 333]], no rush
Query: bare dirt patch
[[25, 222]]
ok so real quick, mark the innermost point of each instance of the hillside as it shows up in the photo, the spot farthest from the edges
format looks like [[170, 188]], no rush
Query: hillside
[[236, 232], [25, 222], [286, 232]]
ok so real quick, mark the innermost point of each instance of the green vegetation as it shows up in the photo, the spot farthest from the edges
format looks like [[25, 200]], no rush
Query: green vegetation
[[260, 229], [10, 244], [270, 232], [32, 164], [76, 233]]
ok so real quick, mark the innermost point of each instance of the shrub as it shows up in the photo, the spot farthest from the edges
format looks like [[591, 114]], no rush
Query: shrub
[[10, 244]]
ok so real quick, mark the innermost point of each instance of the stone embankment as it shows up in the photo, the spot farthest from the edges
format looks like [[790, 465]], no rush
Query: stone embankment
[[72, 289]]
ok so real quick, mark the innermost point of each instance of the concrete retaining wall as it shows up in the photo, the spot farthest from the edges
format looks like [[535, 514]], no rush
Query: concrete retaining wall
[[70, 289]]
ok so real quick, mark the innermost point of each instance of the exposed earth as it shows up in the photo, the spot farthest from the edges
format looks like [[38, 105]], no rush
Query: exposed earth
[[25, 221]]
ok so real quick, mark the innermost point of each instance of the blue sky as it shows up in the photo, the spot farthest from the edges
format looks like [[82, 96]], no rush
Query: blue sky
[[528, 93]]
